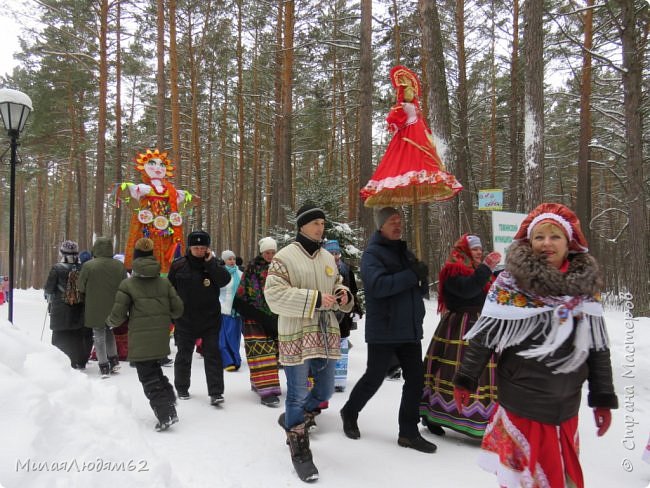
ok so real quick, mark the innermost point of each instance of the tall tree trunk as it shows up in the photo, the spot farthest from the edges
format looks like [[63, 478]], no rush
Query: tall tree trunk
[[534, 103], [194, 58], [82, 176], [101, 121], [286, 185], [493, 100], [117, 219], [396, 34], [637, 262], [365, 112], [276, 172], [239, 194], [439, 114], [40, 222], [583, 203], [209, 197], [514, 192], [251, 234], [464, 154], [160, 74], [173, 92]]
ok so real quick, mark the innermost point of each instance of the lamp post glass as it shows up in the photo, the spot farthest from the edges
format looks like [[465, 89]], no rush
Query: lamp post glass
[[15, 108]]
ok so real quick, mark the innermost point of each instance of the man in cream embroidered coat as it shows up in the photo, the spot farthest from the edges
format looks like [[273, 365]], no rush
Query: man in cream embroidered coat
[[304, 288]]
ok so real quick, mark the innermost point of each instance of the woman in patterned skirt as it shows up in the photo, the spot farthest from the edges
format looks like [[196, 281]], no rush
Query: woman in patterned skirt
[[463, 284], [260, 326]]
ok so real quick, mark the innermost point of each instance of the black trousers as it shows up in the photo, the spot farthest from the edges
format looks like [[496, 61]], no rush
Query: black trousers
[[379, 360], [156, 386], [185, 342], [75, 343]]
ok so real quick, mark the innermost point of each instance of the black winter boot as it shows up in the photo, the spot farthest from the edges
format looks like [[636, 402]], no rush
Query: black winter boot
[[298, 439], [310, 420], [163, 414], [114, 363], [105, 370]]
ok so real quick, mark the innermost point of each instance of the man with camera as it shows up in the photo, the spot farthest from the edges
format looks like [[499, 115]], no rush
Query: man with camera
[[198, 278]]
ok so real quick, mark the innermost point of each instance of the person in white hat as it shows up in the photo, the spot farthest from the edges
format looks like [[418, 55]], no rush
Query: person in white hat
[[260, 326]]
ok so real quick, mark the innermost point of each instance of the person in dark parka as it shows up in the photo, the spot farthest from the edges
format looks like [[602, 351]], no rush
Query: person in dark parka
[[66, 321], [98, 281], [395, 283], [150, 303], [198, 278]]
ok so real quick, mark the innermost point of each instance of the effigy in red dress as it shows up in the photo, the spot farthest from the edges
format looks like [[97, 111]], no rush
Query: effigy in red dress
[[411, 170], [158, 209]]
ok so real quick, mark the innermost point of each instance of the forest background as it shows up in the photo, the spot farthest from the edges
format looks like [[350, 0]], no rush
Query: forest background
[[263, 105]]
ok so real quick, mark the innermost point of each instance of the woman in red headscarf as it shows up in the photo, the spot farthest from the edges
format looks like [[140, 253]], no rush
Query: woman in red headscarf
[[463, 283], [544, 319]]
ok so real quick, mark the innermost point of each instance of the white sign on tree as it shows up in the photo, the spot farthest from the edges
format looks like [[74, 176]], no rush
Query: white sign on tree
[[504, 228]]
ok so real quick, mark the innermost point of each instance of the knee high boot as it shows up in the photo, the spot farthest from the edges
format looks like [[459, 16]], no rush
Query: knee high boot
[[298, 440]]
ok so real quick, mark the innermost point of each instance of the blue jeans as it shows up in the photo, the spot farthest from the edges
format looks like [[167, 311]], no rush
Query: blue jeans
[[299, 398]]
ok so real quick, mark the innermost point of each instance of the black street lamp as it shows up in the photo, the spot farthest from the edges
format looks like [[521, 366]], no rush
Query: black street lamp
[[15, 108]]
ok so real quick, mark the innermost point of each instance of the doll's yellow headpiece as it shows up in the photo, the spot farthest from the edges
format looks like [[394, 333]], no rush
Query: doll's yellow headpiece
[[143, 158]]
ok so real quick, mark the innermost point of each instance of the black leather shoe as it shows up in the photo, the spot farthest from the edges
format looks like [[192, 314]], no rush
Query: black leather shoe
[[350, 426], [418, 443], [435, 429]]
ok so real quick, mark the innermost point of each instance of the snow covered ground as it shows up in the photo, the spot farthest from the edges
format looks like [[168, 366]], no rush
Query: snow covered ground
[[65, 428]]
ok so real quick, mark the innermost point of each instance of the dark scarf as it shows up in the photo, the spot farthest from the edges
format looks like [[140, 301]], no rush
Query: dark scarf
[[309, 245]]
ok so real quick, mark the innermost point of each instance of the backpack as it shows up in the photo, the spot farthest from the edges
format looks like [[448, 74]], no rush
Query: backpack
[[71, 294]]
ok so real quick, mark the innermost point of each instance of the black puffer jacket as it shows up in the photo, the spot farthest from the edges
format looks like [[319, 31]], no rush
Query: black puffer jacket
[[529, 387], [198, 283], [62, 315]]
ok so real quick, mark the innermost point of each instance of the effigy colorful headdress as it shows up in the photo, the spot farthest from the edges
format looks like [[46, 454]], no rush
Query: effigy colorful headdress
[[143, 158], [402, 78]]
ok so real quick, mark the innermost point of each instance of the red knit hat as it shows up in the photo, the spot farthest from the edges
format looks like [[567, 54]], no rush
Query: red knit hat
[[559, 215]]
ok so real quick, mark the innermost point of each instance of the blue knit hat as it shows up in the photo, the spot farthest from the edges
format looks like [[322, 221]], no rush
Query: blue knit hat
[[332, 246]]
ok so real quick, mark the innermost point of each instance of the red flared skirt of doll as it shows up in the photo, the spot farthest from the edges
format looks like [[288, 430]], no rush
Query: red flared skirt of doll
[[410, 171]]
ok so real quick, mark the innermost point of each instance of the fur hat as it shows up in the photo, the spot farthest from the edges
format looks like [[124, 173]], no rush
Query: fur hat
[[332, 245], [561, 216], [474, 241], [69, 247], [198, 238], [307, 213], [384, 214], [227, 254], [268, 244], [143, 247]]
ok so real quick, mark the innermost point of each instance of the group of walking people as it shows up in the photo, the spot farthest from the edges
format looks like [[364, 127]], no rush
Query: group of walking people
[[506, 363]]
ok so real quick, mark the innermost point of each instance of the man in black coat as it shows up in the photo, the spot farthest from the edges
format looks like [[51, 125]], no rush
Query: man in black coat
[[395, 282], [197, 278]]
